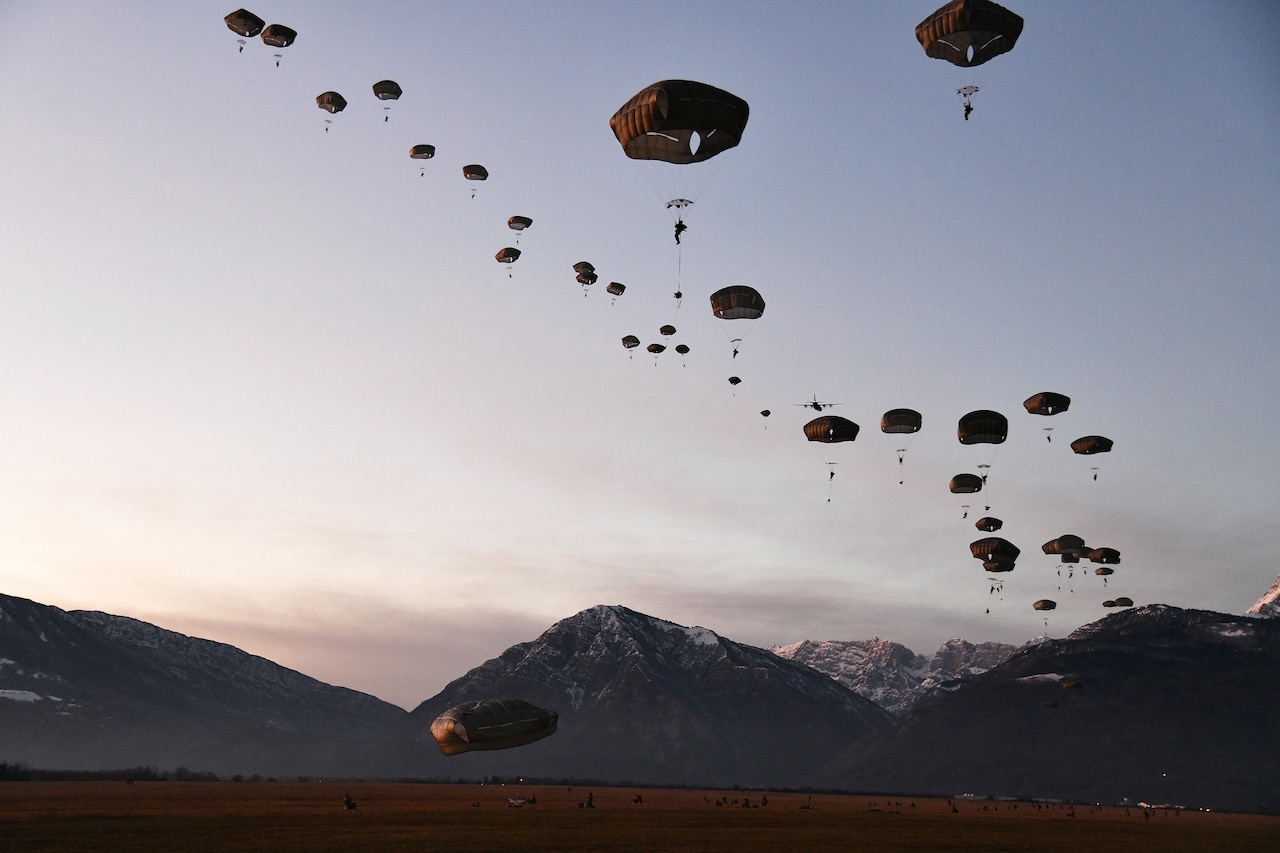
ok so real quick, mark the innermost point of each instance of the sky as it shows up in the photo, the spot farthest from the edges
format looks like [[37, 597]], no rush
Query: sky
[[265, 383]]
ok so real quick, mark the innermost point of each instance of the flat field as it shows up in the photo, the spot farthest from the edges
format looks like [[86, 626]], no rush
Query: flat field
[[301, 816]]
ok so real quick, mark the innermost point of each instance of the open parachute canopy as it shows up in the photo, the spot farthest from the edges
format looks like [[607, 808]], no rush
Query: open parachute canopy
[[969, 32], [901, 421], [965, 484], [1046, 403], [519, 223], [244, 23], [278, 35], [508, 255], [737, 302], [679, 121], [983, 427], [1045, 604], [491, 724], [422, 152], [475, 172], [387, 90], [630, 341], [331, 102], [831, 429], [1091, 444], [988, 524]]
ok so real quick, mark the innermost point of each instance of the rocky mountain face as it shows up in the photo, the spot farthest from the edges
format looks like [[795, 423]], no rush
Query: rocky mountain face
[[1157, 703], [87, 690], [890, 674], [646, 700], [1269, 604]]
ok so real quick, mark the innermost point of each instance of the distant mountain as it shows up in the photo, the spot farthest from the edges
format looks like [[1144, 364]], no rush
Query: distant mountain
[[1269, 604], [87, 690], [646, 700], [892, 675], [1157, 703]]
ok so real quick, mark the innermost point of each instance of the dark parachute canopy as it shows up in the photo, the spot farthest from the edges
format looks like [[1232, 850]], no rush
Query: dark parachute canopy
[[994, 546], [1066, 543], [737, 302], [631, 342], [988, 524], [491, 724], [1105, 556], [1091, 444], [683, 349], [616, 288], [387, 90], [998, 563], [656, 348], [983, 427], [508, 255], [969, 32], [663, 121], [244, 23], [331, 102], [519, 223], [901, 421], [965, 484], [1045, 604], [475, 172], [583, 266], [831, 429], [667, 330], [278, 35], [1046, 403], [422, 152], [735, 380]]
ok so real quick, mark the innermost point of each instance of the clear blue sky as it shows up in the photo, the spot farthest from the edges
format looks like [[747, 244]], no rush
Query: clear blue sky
[[267, 385]]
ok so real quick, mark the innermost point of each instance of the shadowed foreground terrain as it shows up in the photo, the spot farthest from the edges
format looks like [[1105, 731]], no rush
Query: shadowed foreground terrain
[[196, 816]]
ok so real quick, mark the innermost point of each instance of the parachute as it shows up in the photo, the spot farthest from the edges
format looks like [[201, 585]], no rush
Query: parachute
[[509, 255], [656, 348], [1045, 604], [987, 524], [735, 380], [475, 172], [1066, 543], [679, 122], [332, 103], [245, 24], [994, 546], [983, 427], [422, 152], [492, 724], [616, 289], [519, 223], [630, 341], [965, 484], [1105, 556], [1046, 403], [901, 422], [667, 331], [279, 36], [387, 90], [969, 32], [737, 302], [1089, 445], [831, 429]]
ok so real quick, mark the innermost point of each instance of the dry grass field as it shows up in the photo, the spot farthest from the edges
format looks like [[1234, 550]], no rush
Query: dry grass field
[[194, 816]]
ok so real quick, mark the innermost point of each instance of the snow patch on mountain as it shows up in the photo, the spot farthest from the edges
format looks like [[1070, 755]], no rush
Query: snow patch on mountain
[[20, 695], [1269, 604]]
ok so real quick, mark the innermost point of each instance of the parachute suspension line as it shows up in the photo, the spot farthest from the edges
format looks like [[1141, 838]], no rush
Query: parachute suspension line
[[831, 476], [986, 487], [901, 477]]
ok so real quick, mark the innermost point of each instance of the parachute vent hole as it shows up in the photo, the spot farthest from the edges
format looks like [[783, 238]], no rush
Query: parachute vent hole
[[695, 141]]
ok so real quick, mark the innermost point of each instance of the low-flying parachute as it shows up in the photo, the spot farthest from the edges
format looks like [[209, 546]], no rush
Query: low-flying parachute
[[422, 152], [279, 36], [988, 524], [737, 302], [509, 255], [245, 24], [387, 90], [969, 32], [475, 172], [1105, 556], [831, 429], [1122, 601], [332, 103], [492, 724], [904, 422]]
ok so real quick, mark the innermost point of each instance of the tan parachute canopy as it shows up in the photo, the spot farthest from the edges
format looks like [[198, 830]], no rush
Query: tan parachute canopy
[[737, 302], [1046, 403], [244, 23], [491, 724], [662, 122], [831, 429], [983, 427], [969, 32]]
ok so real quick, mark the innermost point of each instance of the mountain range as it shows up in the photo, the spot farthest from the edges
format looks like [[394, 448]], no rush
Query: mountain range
[[1156, 703]]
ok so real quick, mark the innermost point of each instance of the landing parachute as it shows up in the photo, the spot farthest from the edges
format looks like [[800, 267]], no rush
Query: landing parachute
[[492, 724]]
